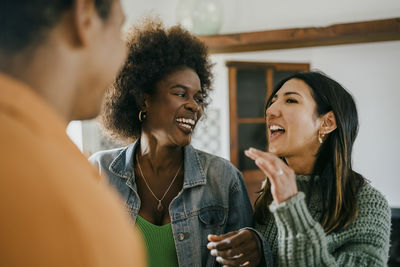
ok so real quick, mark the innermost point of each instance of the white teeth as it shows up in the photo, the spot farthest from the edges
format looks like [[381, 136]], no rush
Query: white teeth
[[186, 126], [275, 128], [188, 122]]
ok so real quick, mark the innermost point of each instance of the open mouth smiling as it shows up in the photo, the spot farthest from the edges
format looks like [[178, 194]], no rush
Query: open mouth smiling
[[276, 131], [186, 123]]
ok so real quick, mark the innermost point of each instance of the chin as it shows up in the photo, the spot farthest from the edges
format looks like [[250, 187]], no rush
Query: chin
[[181, 141], [272, 149], [185, 142], [276, 151]]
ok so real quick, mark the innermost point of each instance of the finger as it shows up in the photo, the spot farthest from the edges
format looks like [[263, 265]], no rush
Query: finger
[[235, 240], [263, 162], [275, 165], [247, 245], [266, 169], [244, 252], [250, 154], [229, 262], [249, 262], [215, 238], [254, 153], [227, 254], [271, 159]]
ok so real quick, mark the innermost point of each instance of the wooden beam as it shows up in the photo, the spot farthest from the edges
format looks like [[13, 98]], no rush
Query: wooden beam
[[348, 33]]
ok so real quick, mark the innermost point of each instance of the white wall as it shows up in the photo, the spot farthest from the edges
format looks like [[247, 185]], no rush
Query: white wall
[[255, 15], [252, 15], [74, 131]]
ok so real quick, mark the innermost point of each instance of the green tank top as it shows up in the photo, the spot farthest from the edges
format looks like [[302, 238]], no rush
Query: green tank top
[[159, 242]]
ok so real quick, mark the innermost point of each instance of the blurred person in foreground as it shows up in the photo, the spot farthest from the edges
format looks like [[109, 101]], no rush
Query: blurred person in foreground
[[314, 209], [54, 68]]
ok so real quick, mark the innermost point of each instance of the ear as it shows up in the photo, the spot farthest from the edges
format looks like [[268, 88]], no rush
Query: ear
[[85, 20], [143, 101], [328, 123]]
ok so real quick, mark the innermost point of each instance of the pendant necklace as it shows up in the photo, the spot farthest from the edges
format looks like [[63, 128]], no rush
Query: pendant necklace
[[160, 207]]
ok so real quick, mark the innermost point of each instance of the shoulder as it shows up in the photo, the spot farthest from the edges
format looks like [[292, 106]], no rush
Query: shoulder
[[220, 171], [211, 163], [104, 158], [373, 210], [370, 197]]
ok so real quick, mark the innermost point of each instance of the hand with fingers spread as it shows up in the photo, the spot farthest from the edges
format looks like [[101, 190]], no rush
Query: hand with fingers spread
[[281, 176], [238, 248]]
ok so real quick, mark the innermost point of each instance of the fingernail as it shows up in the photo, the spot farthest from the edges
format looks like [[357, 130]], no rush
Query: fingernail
[[214, 252], [211, 245]]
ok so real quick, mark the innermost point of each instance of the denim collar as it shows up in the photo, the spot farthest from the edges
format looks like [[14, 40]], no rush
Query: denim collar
[[194, 174]]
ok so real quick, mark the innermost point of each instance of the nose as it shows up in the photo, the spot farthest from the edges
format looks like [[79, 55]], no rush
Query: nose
[[273, 110], [192, 105]]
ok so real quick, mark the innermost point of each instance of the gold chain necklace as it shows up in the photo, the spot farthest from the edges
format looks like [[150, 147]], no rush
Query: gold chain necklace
[[160, 207]]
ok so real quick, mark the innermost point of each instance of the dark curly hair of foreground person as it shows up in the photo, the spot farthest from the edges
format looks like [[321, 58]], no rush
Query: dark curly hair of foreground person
[[154, 52]]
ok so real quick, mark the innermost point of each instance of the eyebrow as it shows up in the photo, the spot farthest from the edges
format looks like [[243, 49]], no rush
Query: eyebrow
[[179, 86], [201, 91], [289, 93]]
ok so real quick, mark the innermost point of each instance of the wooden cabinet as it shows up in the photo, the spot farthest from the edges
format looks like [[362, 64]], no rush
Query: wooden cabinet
[[250, 85]]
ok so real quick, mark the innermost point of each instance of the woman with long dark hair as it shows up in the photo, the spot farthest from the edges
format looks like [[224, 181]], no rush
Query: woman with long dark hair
[[314, 209]]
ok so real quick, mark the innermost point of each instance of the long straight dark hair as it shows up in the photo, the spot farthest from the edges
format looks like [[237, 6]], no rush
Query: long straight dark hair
[[337, 183]]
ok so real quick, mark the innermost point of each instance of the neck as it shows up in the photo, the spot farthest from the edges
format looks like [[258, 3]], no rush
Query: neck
[[160, 156], [301, 165], [49, 71]]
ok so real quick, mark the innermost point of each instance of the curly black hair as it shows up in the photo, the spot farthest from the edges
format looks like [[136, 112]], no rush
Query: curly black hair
[[154, 52]]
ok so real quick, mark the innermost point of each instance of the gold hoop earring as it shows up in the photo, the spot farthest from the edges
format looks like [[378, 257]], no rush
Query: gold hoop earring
[[142, 116], [320, 137]]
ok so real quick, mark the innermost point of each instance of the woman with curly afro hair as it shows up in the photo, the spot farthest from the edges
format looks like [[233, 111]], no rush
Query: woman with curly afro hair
[[175, 194]]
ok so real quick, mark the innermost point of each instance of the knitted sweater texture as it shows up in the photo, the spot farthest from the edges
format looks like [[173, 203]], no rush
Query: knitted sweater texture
[[297, 238]]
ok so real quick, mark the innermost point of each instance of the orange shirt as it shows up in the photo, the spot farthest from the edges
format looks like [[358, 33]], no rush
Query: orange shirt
[[55, 210]]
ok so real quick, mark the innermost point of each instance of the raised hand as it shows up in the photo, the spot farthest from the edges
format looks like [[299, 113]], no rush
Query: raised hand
[[281, 176]]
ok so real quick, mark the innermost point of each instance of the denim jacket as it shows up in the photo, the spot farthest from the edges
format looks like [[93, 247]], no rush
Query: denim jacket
[[213, 199]]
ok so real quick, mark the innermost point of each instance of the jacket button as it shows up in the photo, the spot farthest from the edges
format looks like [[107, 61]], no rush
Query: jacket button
[[181, 236]]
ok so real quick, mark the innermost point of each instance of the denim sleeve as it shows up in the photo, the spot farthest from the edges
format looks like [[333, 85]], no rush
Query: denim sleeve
[[240, 213], [240, 216]]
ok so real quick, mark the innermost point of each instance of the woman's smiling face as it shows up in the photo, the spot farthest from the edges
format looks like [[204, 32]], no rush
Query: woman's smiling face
[[175, 107], [292, 121]]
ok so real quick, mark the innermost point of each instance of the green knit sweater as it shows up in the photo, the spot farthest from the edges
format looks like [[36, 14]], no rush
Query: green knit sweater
[[297, 239]]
